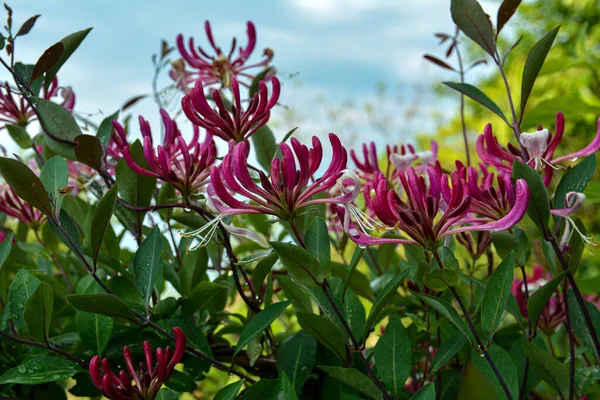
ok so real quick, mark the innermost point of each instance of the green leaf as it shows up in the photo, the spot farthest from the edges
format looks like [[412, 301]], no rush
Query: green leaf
[[167, 394], [575, 180], [106, 128], [193, 269], [181, 382], [505, 243], [301, 265], [230, 391], [259, 323], [539, 298], [70, 44], [72, 233], [578, 321], [146, 264], [38, 312], [382, 300], [95, 330], [259, 77], [506, 366], [134, 188], [296, 357], [60, 123], [265, 147], [440, 279], [326, 333], [262, 269], [38, 370], [47, 60], [19, 135], [101, 220], [475, 23], [5, 248], [354, 378], [295, 292], [496, 295], [539, 204], [393, 356], [101, 303], [26, 184], [448, 258], [317, 241], [533, 65], [477, 95], [447, 311], [506, 10], [285, 388], [548, 368], [22, 286], [426, 392], [200, 297], [449, 348], [89, 151], [55, 178]]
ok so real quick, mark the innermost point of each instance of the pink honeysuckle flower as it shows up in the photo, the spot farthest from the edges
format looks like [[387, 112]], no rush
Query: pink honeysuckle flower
[[147, 379], [12, 205], [237, 124], [183, 164], [433, 209], [539, 147], [220, 67], [553, 313], [15, 110], [573, 202], [290, 188]]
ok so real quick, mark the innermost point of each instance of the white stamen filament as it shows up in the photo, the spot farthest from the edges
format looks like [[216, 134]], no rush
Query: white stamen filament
[[210, 228]]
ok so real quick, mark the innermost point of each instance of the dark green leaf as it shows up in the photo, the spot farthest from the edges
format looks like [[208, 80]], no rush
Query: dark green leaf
[[354, 378], [71, 239], [37, 370], [262, 269], [60, 123], [477, 95], [38, 313], [193, 268], [264, 145], [427, 392], [317, 241], [95, 330], [200, 297], [285, 388], [382, 300], [301, 265], [296, 357], [449, 348], [295, 292], [27, 26], [134, 188], [22, 286], [575, 180], [506, 242], [5, 248], [578, 321], [259, 323], [101, 303], [147, 265], [70, 44], [19, 135], [55, 178], [448, 258], [539, 298], [533, 65], [89, 151], [539, 204], [47, 60], [167, 394], [447, 311], [440, 279], [326, 333], [475, 23], [496, 295], [393, 356], [505, 365], [548, 368], [101, 220], [106, 128], [181, 382], [26, 184], [230, 391], [506, 10]]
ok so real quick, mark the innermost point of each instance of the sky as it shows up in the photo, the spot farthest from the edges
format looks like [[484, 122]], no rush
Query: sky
[[337, 50]]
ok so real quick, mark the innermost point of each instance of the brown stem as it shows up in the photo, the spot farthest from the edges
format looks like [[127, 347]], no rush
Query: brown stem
[[462, 107], [571, 346]]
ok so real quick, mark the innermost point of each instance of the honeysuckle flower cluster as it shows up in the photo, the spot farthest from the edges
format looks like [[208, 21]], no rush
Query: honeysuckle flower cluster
[[220, 67], [12, 205], [235, 123], [147, 378], [183, 164]]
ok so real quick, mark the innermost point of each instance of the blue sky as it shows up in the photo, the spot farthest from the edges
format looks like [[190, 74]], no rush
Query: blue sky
[[335, 49]]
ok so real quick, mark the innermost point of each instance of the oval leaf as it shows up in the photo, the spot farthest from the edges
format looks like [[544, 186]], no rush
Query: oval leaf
[[26, 184], [317, 241], [38, 313], [393, 356], [147, 265], [539, 298], [101, 220], [496, 295], [475, 23], [477, 95], [301, 265]]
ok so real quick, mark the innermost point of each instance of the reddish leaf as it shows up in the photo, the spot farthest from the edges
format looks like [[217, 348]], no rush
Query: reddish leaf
[[47, 60], [505, 12], [475, 23], [438, 62], [26, 27], [132, 101], [449, 51]]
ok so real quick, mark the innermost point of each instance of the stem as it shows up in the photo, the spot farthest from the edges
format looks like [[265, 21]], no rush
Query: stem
[[475, 334], [571, 346], [297, 233], [529, 333], [462, 106]]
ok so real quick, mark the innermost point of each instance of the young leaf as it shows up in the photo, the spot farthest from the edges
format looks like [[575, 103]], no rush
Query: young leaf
[[5, 248], [89, 151], [265, 146], [40, 369], [381, 301], [47, 60], [393, 356], [317, 241], [101, 303], [38, 312], [575, 180], [539, 298], [95, 330], [438, 62], [26, 184], [146, 264], [259, 323], [101, 220], [55, 178], [326, 333], [475, 23], [506, 10], [106, 128], [354, 378], [447, 311], [200, 297], [496, 295], [440, 279], [70, 43], [539, 204], [533, 65], [548, 368], [477, 95], [27, 26], [301, 265], [449, 348], [505, 365], [230, 391], [296, 357]]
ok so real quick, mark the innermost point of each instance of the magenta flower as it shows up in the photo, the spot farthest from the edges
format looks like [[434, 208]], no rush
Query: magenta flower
[[539, 148], [148, 378], [220, 67], [433, 209], [12, 205], [237, 124], [185, 165]]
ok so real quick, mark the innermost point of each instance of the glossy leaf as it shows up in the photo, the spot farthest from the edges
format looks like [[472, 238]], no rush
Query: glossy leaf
[[38, 312], [264, 145], [326, 333], [55, 178], [230, 391], [539, 298], [146, 264], [317, 241], [95, 330], [285, 388], [548, 368], [354, 378], [506, 366], [40, 369], [575, 180], [505, 12], [440, 279], [539, 204], [533, 65], [47, 60], [426, 392], [296, 357], [475, 23], [105, 129], [393, 354], [496, 295], [477, 95], [449, 348], [200, 297], [382, 300], [26, 184], [70, 43], [181, 382], [259, 323], [505, 243], [448, 312], [301, 265], [101, 303], [89, 151], [22, 286], [5, 248], [101, 220], [19, 135]]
